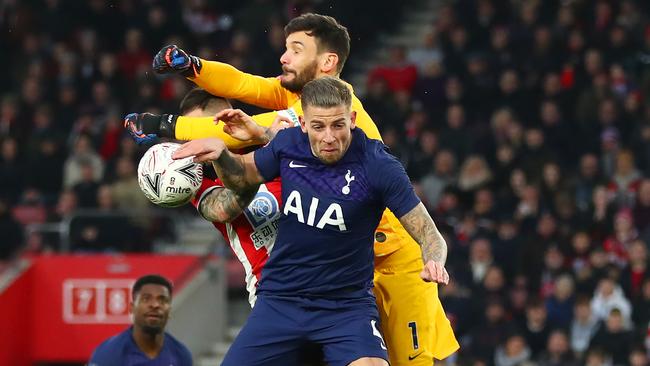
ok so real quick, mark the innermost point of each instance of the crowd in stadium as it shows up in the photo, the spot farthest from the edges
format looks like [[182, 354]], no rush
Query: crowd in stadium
[[524, 125]]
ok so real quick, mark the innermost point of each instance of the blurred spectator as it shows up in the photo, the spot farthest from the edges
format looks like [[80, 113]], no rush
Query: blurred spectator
[[12, 170], [513, 352], [641, 308], [426, 54], [583, 326], [625, 233], [485, 337], [126, 191], [86, 188], [636, 270], [454, 136], [474, 174], [83, 154], [399, 72], [134, 60], [641, 211], [559, 306], [536, 328], [12, 232], [600, 215], [49, 159], [614, 338], [609, 296], [557, 351], [638, 357], [443, 175], [587, 179], [381, 106], [598, 357], [626, 179]]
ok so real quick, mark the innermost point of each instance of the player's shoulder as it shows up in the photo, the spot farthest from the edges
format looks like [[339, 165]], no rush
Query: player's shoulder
[[110, 350], [372, 148], [178, 347], [289, 137]]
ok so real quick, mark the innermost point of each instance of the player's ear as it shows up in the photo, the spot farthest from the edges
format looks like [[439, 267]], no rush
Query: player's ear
[[329, 63], [303, 126], [353, 120]]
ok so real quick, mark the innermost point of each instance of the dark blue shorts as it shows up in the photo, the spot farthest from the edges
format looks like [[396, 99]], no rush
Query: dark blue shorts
[[347, 329]]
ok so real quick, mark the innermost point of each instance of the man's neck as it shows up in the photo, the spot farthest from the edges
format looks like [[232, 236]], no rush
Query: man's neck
[[149, 344]]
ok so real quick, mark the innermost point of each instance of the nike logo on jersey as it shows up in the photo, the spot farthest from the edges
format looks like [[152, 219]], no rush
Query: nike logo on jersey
[[413, 357], [294, 165]]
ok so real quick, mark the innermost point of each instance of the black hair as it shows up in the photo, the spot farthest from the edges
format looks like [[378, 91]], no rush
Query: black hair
[[152, 279], [330, 35], [200, 98]]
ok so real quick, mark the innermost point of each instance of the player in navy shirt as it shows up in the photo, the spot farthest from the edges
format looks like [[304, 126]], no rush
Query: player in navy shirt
[[316, 285], [145, 343]]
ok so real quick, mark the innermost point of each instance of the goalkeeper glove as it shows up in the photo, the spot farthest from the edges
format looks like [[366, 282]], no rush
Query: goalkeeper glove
[[173, 60], [145, 128]]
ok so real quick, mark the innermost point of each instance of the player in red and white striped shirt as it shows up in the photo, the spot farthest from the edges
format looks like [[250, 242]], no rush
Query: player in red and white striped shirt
[[249, 220]]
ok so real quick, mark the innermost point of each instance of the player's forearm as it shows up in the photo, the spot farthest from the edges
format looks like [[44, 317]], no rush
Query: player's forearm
[[224, 205], [421, 227], [226, 81], [235, 173]]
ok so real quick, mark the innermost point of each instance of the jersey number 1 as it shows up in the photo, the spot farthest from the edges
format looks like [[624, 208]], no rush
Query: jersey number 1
[[414, 334]]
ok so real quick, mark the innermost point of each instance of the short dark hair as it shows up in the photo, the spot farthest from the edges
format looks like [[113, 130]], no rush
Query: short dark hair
[[152, 279], [330, 35], [200, 98], [326, 92]]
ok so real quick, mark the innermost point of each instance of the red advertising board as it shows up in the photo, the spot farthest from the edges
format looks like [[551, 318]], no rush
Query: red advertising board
[[69, 304]]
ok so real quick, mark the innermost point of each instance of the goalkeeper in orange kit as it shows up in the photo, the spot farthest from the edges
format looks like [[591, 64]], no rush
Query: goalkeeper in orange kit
[[415, 327]]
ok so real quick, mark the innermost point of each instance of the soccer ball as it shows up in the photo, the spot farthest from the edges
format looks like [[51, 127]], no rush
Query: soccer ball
[[165, 181]]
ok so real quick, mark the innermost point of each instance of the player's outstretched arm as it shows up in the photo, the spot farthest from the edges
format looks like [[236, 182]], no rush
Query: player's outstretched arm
[[222, 79], [145, 128], [237, 172], [421, 227], [224, 205]]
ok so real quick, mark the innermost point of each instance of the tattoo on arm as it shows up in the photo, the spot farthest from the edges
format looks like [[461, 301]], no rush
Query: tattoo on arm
[[420, 225], [232, 172], [224, 205]]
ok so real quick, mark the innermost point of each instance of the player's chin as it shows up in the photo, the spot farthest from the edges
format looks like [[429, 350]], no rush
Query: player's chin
[[329, 158]]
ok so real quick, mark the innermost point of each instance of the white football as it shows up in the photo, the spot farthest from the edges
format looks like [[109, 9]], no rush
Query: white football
[[165, 181]]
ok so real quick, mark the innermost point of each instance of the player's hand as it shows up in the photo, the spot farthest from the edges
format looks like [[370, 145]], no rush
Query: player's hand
[[135, 125], [280, 123], [145, 128], [435, 272], [173, 60], [239, 125], [203, 150]]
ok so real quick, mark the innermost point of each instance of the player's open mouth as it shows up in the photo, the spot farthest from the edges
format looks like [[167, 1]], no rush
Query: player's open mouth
[[153, 316]]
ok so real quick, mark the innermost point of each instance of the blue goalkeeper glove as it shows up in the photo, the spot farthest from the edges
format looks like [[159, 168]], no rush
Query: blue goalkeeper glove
[[146, 128], [173, 60]]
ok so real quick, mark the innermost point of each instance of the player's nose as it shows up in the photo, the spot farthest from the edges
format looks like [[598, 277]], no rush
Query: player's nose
[[284, 59], [328, 136]]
